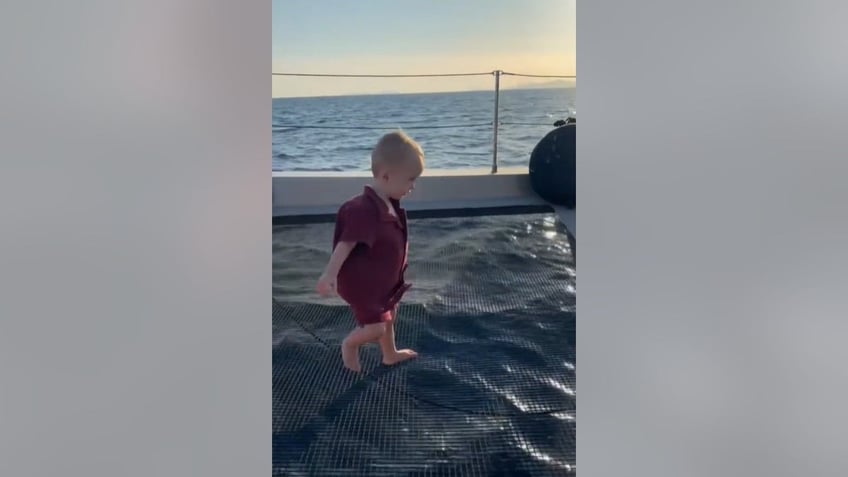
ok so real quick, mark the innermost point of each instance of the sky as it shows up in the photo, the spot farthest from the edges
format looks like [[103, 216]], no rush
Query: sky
[[418, 36]]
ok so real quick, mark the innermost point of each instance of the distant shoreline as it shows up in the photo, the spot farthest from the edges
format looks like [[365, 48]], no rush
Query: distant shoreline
[[389, 93]]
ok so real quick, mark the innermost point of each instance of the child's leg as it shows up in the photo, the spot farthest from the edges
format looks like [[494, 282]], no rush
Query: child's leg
[[356, 338], [392, 355]]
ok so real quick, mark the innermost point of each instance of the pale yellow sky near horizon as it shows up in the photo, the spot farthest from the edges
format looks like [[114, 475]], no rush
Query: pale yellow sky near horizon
[[531, 37]]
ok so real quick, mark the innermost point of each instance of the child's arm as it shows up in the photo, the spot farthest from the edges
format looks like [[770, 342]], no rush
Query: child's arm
[[327, 282], [338, 257]]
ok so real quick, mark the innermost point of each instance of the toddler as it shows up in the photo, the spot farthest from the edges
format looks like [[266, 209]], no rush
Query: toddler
[[370, 246]]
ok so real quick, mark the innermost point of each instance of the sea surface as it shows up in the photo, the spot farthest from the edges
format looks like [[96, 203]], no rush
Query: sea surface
[[455, 129], [492, 314]]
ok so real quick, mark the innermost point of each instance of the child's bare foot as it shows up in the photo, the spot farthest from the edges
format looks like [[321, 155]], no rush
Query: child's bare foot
[[350, 357], [399, 356]]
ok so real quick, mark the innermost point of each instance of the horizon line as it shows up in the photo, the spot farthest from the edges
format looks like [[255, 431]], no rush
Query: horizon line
[[348, 95]]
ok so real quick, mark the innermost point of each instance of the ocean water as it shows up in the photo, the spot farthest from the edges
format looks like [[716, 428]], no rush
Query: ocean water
[[492, 314], [455, 129]]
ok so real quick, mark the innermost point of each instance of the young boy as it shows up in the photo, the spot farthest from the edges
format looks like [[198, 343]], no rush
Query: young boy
[[370, 247]]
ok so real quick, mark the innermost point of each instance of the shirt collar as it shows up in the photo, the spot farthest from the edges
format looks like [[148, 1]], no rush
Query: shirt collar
[[381, 204]]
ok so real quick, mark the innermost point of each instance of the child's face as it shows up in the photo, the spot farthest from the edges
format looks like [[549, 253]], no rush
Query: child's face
[[400, 181]]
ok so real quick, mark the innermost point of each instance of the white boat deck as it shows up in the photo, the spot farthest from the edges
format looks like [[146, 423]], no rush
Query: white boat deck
[[300, 195]]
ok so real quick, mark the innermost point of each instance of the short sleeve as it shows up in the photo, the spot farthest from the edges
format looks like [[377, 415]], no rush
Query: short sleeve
[[358, 224]]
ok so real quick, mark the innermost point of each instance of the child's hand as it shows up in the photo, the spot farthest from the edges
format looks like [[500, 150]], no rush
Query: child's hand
[[326, 285]]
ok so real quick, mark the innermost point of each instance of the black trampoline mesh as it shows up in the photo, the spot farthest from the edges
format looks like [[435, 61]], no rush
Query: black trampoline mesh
[[492, 392]]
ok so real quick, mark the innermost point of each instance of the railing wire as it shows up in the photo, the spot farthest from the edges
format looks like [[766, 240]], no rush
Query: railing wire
[[427, 75], [539, 76], [524, 124], [330, 75]]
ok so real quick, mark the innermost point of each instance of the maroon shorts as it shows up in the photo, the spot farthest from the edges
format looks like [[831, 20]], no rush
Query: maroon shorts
[[365, 317], [370, 314]]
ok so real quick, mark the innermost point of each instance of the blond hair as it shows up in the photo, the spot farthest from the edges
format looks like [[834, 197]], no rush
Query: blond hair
[[394, 149]]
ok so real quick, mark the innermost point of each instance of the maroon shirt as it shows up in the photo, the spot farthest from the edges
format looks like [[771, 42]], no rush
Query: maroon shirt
[[371, 279]]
